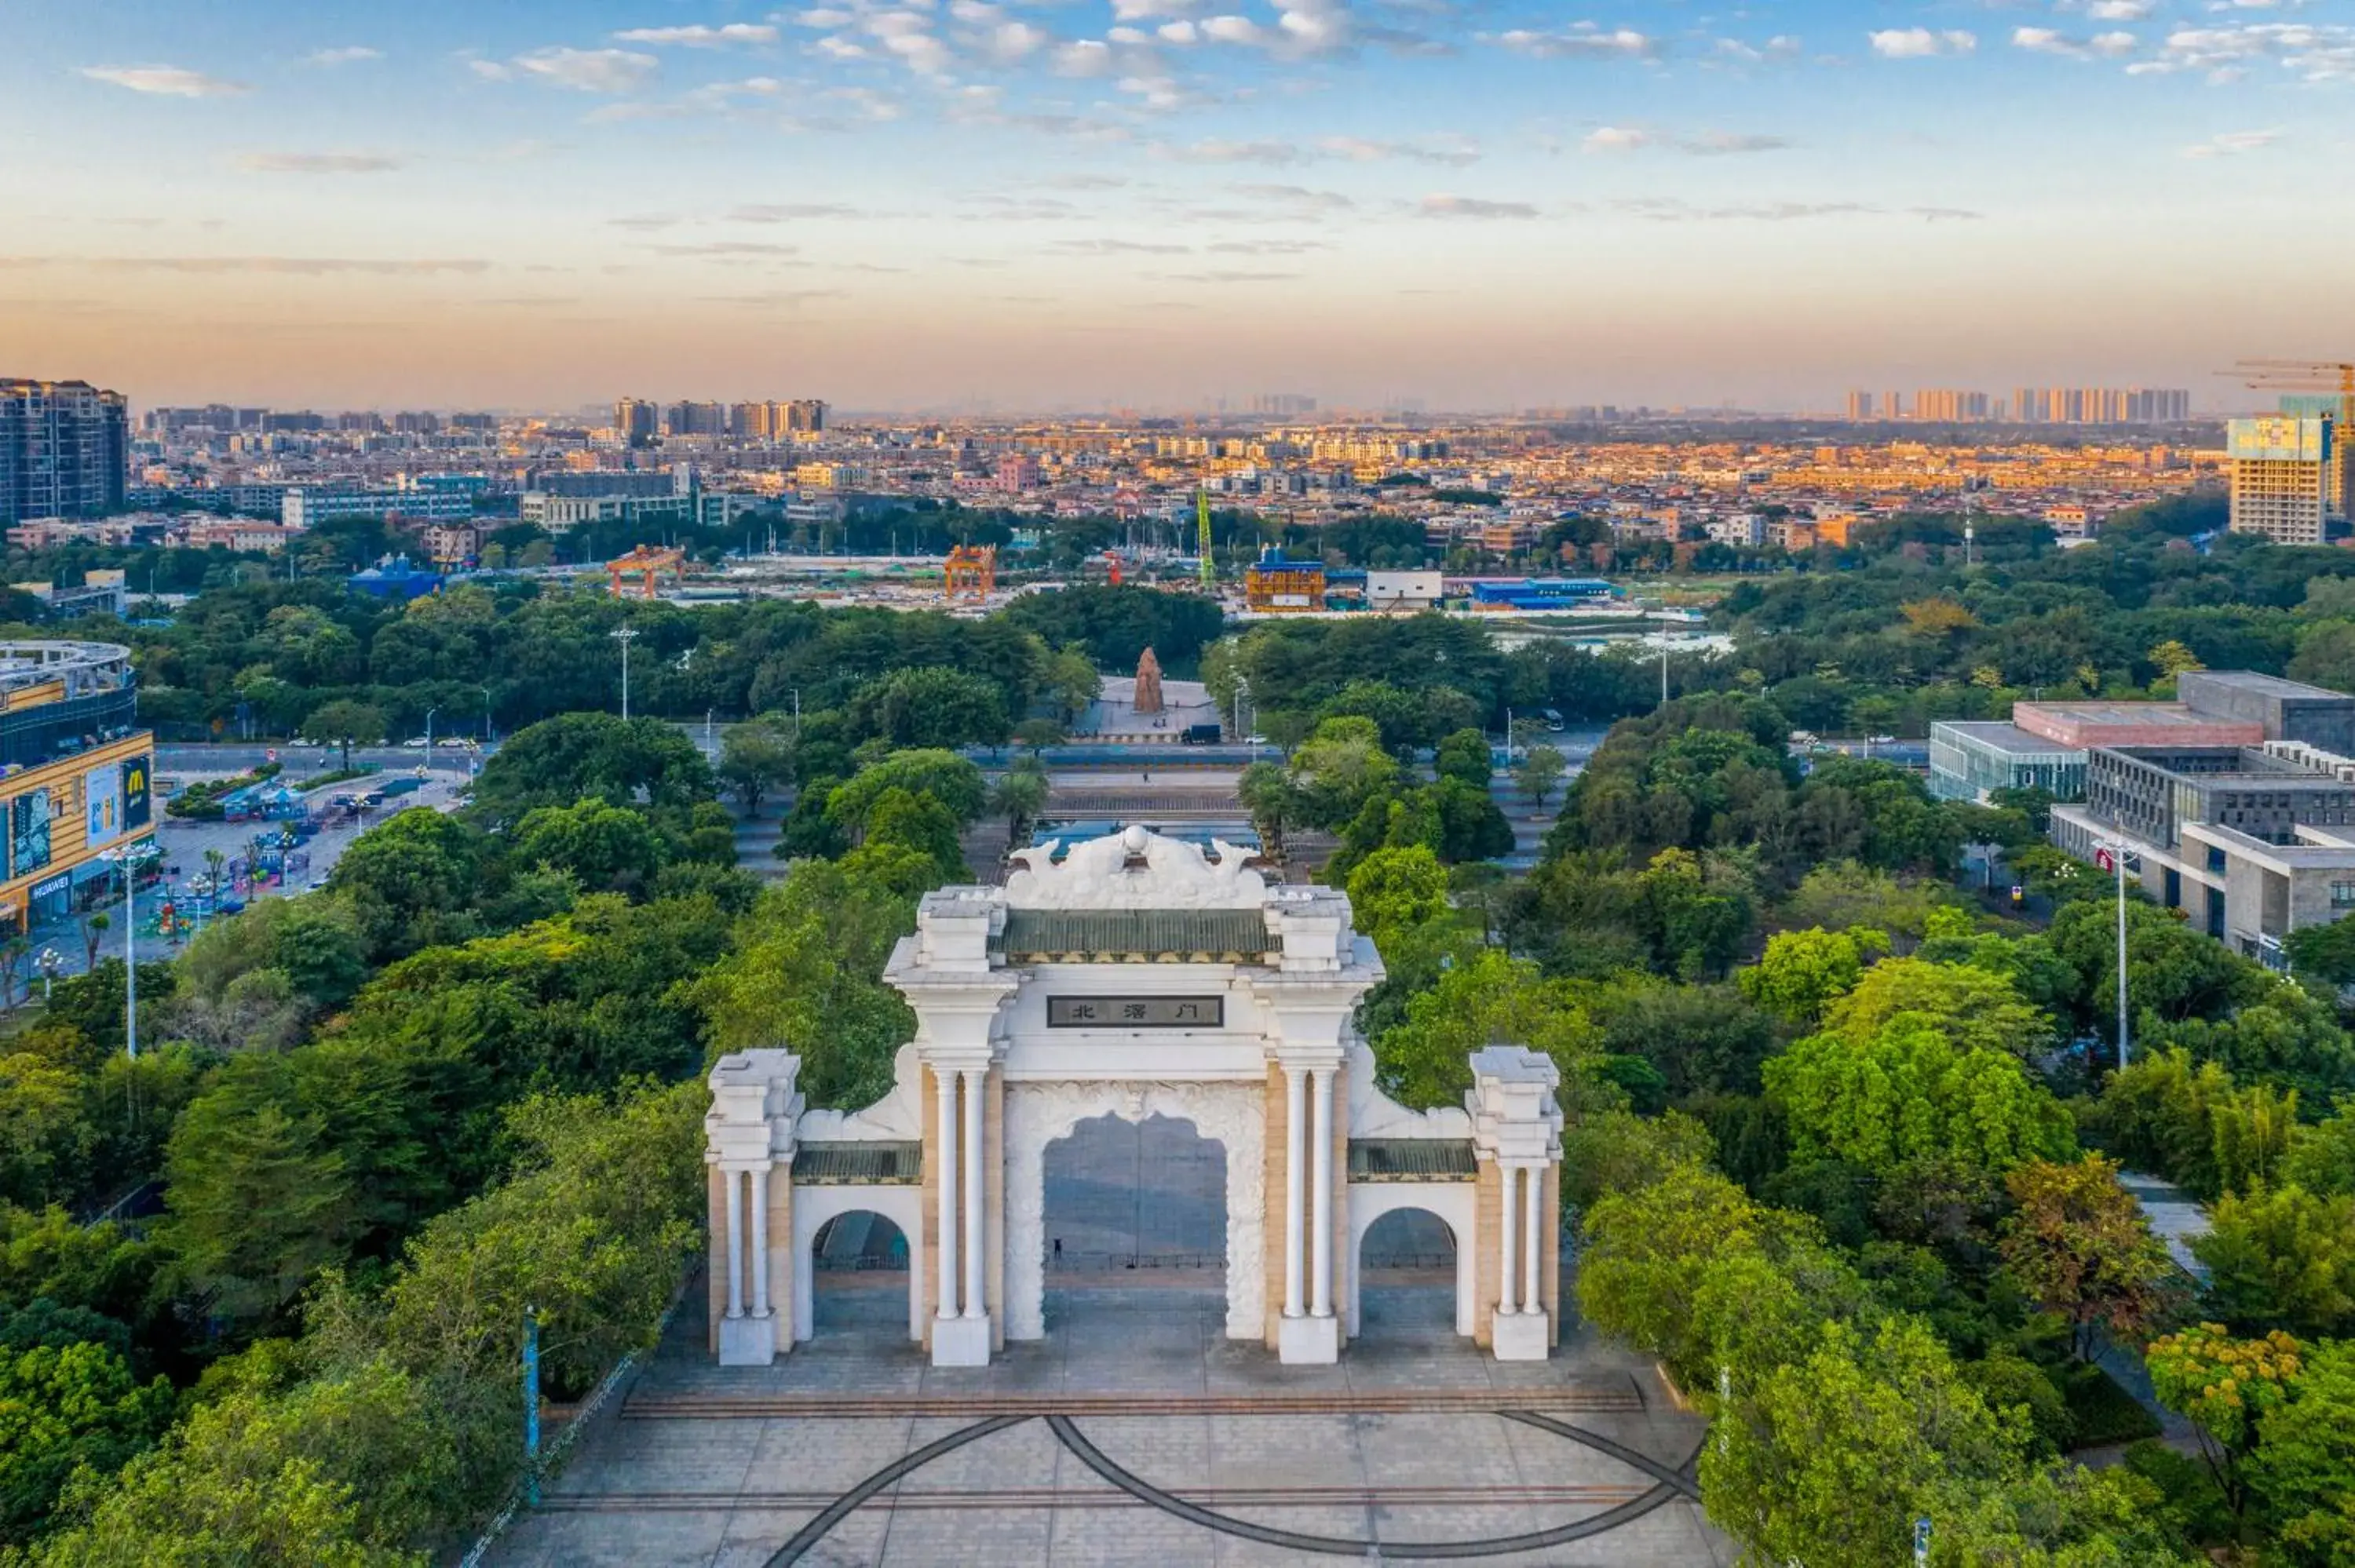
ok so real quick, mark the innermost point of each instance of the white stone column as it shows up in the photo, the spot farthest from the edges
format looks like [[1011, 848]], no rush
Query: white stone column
[[1320, 1297], [760, 1241], [1533, 1302], [1294, 1185], [945, 1086], [735, 1179], [1509, 1248], [974, 1191]]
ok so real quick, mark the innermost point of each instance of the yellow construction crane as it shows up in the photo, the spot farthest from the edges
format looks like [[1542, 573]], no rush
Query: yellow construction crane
[[2305, 376], [1209, 571], [2279, 375]]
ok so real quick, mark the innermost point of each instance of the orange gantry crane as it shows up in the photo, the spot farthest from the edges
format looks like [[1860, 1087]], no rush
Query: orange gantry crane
[[971, 573], [647, 565]]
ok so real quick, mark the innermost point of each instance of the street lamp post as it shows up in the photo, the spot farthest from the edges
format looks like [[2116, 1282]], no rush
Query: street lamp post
[[429, 735], [130, 857], [48, 963], [625, 636]]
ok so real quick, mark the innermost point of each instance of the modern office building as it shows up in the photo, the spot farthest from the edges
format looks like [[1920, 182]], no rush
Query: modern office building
[[1971, 760], [2282, 484], [65, 450], [2235, 803], [76, 775]]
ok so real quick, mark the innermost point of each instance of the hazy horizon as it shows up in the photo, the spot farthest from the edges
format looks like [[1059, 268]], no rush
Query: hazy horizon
[[1154, 204]]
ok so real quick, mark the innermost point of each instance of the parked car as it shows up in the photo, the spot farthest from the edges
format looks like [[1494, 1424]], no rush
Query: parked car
[[415, 743]]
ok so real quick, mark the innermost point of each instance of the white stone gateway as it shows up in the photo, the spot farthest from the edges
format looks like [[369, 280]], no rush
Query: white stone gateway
[[1133, 976]]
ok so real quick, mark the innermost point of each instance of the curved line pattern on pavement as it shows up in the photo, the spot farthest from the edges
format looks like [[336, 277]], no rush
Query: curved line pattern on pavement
[[849, 1502], [1068, 1434], [1672, 1482], [1666, 1475]]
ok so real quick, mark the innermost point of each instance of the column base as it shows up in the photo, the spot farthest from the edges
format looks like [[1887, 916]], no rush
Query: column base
[[1521, 1337], [1309, 1341], [748, 1342], [961, 1341]]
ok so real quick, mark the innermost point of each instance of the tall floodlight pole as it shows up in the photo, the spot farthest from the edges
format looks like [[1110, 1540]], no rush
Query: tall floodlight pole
[[2116, 848], [625, 636]]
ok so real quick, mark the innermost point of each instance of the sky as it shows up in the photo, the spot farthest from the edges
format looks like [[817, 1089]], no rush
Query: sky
[[1015, 206]]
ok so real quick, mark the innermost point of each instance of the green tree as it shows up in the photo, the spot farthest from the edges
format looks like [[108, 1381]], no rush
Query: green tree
[[2078, 1248], [920, 825], [1909, 1092], [1538, 770], [558, 761], [1464, 756], [1019, 796], [63, 1407], [259, 1199], [1803, 972], [1340, 767], [347, 724], [929, 708], [755, 758], [2304, 1468], [2281, 1257], [412, 879], [1971, 1007], [1274, 803], [604, 848], [1072, 682], [1494, 997], [943, 777], [1830, 1459], [2324, 952], [2225, 1387]]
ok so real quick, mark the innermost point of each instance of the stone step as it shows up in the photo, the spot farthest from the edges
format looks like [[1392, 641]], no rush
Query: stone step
[[1591, 1397]]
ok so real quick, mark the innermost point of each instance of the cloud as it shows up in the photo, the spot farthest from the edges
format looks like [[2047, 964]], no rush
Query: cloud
[[2046, 41], [166, 81], [1223, 276], [1305, 201], [1455, 151], [1584, 41], [582, 71], [350, 54], [1708, 144], [790, 212], [288, 266], [728, 247], [2315, 52], [1266, 247], [1471, 206], [317, 163], [1121, 247], [698, 37], [2120, 10], [1921, 43], [1220, 151], [787, 298], [2232, 144]]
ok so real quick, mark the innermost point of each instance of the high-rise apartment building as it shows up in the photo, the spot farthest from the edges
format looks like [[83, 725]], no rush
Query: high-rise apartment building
[[1947, 405], [2282, 479], [1860, 406], [65, 450], [805, 415], [695, 419], [637, 421]]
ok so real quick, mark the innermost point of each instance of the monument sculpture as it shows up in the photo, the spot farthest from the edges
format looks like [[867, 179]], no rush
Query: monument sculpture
[[1148, 684], [1135, 975]]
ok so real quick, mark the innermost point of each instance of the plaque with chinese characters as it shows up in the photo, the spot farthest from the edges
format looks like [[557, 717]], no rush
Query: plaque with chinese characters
[[1136, 1011]]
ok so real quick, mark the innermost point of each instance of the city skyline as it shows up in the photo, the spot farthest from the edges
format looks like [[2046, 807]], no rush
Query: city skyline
[[1159, 204]]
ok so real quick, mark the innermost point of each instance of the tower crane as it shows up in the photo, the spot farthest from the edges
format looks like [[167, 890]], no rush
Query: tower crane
[[1209, 569], [2305, 376], [2315, 375]]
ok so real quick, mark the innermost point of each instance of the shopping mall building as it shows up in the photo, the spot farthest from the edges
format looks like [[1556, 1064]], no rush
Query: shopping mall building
[[77, 775]]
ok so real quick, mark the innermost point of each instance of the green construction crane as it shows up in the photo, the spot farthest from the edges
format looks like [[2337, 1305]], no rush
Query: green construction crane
[[1203, 539]]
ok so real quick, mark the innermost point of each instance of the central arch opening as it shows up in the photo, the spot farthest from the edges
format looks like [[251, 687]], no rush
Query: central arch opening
[[1135, 1210]]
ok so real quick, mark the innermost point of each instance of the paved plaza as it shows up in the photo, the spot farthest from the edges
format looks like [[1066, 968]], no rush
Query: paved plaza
[[1136, 1433]]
